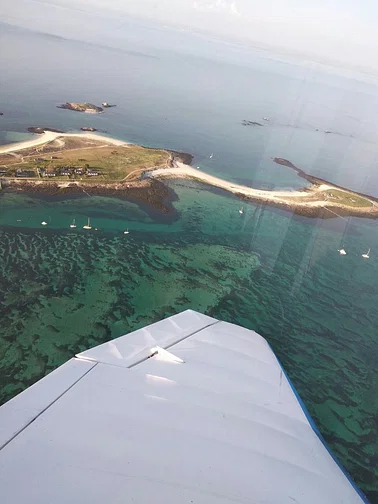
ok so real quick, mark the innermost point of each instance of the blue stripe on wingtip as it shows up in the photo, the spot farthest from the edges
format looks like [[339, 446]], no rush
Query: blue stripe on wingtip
[[317, 432]]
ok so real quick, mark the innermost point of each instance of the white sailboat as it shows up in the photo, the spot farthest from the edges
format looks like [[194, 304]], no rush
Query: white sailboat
[[88, 226], [73, 224], [367, 255], [127, 231], [241, 211], [343, 240]]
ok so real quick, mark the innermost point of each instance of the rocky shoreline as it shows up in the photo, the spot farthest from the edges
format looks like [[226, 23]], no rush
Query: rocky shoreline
[[151, 194], [40, 130], [89, 108], [183, 157], [316, 181], [312, 212], [321, 200], [245, 122]]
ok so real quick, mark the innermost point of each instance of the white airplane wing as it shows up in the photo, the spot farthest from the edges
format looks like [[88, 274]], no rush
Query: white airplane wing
[[187, 410]]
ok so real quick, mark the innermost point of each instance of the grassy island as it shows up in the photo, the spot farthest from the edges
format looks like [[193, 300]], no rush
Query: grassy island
[[82, 107], [84, 158], [61, 163]]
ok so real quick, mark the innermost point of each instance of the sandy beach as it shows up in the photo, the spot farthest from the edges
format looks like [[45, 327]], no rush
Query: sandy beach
[[317, 200], [312, 201], [49, 136], [181, 170]]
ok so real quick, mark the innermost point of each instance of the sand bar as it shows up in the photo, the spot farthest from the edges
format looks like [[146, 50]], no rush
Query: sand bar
[[49, 136], [181, 170], [320, 199]]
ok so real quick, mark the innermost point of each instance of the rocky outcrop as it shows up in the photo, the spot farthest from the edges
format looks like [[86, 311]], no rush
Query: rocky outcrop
[[153, 195], [251, 123], [39, 130], [81, 107]]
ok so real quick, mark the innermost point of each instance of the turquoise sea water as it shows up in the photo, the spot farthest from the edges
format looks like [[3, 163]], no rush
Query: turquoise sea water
[[63, 291]]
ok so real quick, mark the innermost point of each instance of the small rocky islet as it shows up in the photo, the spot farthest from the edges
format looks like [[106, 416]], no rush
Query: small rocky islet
[[245, 122], [89, 108]]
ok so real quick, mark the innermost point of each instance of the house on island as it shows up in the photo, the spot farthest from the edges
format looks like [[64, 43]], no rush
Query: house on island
[[25, 173], [45, 173]]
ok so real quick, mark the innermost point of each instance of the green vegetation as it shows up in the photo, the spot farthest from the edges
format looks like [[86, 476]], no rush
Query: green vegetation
[[347, 198], [81, 159], [130, 162], [81, 107], [85, 106]]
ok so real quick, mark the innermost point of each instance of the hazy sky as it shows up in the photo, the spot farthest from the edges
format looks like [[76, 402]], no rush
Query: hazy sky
[[339, 30]]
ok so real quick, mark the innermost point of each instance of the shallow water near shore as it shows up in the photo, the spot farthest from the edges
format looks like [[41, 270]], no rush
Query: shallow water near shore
[[64, 290]]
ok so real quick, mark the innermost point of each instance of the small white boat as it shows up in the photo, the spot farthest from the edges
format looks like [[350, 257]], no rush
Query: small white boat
[[44, 223], [73, 224], [266, 118], [367, 255], [88, 226], [18, 220], [241, 211], [211, 155], [198, 167], [127, 231], [342, 252]]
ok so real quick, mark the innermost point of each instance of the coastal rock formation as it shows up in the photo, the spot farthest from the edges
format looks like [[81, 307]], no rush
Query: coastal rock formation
[[81, 107], [131, 171], [182, 157], [40, 131], [154, 195], [251, 123]]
